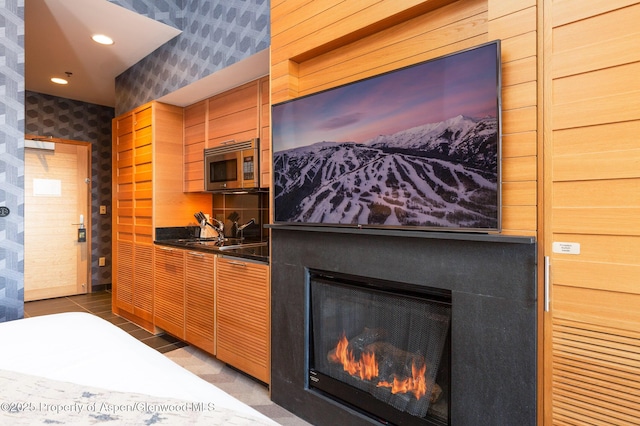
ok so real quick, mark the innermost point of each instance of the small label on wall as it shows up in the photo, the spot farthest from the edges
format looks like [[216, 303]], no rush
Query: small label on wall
[[566, 248], [47, 187]]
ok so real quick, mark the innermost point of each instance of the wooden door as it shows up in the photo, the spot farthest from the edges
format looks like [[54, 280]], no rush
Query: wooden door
[[199, 300], [168, 302], [243, 316], [57, 194], [592, 214]]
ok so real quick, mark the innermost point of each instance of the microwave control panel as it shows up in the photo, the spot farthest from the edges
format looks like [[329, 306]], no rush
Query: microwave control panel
[[248, 167]]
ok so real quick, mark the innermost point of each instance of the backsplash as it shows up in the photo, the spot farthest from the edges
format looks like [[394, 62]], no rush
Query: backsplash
[[242, 208]]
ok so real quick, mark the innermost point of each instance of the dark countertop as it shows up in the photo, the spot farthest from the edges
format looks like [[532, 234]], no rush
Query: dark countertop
[[249, 251]]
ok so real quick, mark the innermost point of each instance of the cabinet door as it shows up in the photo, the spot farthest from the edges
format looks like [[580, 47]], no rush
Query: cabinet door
[[233, 115], [265, 134], [242, 316], [168, 311], [200, 300], [123, 292], [195, 135]]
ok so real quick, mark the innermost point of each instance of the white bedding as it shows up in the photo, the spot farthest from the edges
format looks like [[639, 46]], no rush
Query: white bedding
[[83, 349]]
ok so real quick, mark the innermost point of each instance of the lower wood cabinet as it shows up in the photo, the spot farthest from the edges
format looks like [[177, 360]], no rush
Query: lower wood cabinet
[[169, 290], [199, 307], [243, 320], [216, 303]]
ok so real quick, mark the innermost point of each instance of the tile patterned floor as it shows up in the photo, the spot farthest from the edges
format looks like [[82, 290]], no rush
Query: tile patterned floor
[[235, 383], [99, 304]]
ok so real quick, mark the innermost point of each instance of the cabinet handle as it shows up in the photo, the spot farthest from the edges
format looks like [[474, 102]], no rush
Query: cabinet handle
[[228, 141], [195, 253], [232, 262], [167, 248]]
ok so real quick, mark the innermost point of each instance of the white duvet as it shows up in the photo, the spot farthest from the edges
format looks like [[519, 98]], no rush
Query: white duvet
[[84, 349]]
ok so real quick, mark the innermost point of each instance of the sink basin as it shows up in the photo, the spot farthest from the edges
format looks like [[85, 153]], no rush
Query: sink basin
[[227, 244], [242, 246]]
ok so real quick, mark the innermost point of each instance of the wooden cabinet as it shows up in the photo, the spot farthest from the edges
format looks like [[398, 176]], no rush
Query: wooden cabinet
[[184, 295], [147, 190], [195, 136], [265, 133], [234, 115], [169, 291], [238, 114], [200, 300], [243, 324]]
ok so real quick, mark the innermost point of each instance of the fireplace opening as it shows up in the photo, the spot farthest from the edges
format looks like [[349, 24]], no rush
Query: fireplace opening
[[380, 347]]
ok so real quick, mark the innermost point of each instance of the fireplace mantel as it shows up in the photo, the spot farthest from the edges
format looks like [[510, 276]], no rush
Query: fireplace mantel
[[492, 279]]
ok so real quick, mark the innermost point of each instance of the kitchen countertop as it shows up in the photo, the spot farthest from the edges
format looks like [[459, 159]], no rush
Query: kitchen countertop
[[246, 250]]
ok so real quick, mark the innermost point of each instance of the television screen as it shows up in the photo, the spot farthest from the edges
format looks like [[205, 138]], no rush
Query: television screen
[[418, 147]]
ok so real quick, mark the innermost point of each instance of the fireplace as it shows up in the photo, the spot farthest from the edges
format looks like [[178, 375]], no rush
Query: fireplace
[[489, 353], [381, 347]]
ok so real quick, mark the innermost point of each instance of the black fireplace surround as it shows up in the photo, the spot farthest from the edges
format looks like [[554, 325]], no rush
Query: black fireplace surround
[[492, 280]]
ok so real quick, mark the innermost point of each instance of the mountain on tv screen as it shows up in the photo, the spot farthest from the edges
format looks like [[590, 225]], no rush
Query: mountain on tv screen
[[418, 148]]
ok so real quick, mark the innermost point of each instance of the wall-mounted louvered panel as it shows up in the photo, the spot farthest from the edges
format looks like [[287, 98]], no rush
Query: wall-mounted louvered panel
[[143, 281], [596, 374], [592, 152], [123, 296]]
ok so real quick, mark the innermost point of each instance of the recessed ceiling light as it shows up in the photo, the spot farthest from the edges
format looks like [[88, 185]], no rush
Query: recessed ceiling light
[[102, 39], [59, 80]]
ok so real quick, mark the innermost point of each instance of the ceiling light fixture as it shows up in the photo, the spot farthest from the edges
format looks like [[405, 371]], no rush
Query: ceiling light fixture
[[102, 39], [59, 80]]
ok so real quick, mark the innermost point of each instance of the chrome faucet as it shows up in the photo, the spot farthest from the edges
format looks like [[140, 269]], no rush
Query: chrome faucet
[[219, 227], [240, 229]]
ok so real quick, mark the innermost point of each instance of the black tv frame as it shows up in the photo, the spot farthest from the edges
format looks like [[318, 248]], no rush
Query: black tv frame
[[496, 225]]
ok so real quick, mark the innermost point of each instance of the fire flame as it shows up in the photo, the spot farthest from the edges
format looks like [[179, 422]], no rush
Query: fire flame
[[416, 384], [366, 368]]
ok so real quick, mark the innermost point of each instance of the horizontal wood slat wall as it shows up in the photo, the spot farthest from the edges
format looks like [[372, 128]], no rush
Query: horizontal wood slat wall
[[306, 60], [592, 113]]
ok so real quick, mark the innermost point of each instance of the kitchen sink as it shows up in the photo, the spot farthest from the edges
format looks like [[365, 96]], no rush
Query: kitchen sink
[[227, 244], [242, 246]]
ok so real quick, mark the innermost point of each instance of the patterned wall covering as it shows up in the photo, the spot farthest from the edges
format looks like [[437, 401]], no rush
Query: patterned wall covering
[[12, 159], [216, 34], [62, 118]]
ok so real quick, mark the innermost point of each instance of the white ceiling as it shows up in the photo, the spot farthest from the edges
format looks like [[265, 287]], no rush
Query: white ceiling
[[58, 40]]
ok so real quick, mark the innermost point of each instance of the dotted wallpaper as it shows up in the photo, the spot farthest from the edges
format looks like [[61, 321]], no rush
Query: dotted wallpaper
[[12, 159], [215, 34], [62, 118]]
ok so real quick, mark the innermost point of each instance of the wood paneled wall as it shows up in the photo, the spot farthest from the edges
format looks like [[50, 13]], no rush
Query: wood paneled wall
[[319, 45], [592, 190], [571, 156]]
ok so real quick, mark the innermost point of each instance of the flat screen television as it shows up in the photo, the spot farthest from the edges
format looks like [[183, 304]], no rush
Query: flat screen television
[[414, 148]]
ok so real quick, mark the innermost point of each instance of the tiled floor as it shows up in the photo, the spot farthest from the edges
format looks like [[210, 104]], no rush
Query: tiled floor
[[99, 303]]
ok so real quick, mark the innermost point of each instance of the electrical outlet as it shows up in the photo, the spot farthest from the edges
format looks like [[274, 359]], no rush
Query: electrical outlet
[[103, 209], [102, 261]]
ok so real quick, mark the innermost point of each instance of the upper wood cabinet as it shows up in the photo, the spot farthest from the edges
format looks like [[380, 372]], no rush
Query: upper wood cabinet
[[234, 115], [147, 191], [195, 136], [238, 114], [265, 133]]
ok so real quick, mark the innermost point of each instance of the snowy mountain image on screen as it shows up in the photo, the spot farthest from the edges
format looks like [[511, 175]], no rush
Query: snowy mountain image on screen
[[435, 175]]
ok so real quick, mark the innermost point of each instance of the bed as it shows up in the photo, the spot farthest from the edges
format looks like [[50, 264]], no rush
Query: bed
[[76, 368]]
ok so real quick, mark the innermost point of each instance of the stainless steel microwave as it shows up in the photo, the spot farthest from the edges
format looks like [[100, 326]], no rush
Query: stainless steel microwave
[[232, 166]]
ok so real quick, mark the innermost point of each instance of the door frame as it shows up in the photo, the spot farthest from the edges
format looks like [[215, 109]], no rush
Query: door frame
[[88, 217]]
